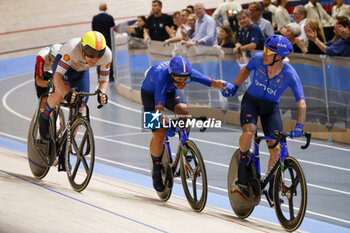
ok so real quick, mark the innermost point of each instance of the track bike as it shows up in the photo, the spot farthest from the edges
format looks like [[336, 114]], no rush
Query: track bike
[[189, 165], [289, 184], [72, 144]]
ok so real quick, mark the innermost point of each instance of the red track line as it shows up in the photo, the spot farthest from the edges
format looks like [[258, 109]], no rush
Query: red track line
[[57, 26], [182, 206]]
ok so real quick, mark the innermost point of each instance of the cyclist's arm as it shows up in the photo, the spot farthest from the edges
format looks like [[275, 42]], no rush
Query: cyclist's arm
[[103, 86], [301, 111], [39, 72], [242, 76]]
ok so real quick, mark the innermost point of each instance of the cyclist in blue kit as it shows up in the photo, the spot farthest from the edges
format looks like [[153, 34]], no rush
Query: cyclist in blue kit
[[162, 88], [271, 77]]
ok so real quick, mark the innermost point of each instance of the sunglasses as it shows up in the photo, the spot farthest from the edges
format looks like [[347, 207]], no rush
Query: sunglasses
[[186, 80], [268, 51]]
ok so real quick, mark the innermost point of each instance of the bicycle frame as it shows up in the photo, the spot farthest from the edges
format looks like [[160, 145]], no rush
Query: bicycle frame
[[256, 158], [183, 137]]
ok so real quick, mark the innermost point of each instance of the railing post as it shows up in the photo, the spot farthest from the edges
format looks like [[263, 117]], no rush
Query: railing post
[[328, 123]]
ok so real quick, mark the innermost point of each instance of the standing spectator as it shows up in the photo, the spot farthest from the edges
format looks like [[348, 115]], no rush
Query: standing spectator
[[282, 15], [190, 8], [180, 22], [158, 25], [184, 15], [137, 30], [190, 23], [255, 11], [299, 16], [340, 9], [103, 22], [176, 20], [291, 33], [312, 26], [316, 11], [205, 29], [335, 47], [226, 39], [222, 11], [269, 7], [250, 37]]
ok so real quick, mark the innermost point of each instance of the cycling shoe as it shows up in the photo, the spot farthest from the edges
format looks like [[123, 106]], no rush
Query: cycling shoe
[[157, 181]]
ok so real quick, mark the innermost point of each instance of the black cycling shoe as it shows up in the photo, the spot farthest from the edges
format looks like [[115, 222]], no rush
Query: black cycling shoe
[[157, 181], [44, 128], [244, 189], [270, 193]]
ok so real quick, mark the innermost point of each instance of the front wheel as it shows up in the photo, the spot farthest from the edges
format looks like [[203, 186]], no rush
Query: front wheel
[[192, 170], [80, 154], [293, 192]]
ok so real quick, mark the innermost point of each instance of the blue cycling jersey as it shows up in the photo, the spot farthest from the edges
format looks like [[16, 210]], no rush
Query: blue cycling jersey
[[158, 81], [264, 88]]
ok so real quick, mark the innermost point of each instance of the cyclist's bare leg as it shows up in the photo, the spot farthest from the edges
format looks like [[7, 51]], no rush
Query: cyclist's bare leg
[[245, 141], [156, 144], [58, 96], [273, 153], [181, 109]]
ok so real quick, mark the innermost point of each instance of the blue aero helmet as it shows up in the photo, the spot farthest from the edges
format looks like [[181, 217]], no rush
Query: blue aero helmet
[[180, 66], [279, 44]]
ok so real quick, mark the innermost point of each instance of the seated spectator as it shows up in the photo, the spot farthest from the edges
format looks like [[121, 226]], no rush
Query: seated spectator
[[340, 9], [335, 47], [158, 25], [255, 11], [282, 16], [316, 11], [313, 27], [250, 37], [205, 32], [291, 33], [190, 8], [299, 16], [269, 7], [188, 34], [226, 39], [222, 11], [136, 30]]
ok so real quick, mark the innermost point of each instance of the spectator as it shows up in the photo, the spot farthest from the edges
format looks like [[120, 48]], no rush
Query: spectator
[[255, 11], [184, 15], [299, 16], [205, 29], [190, 8], [226, 38], [137, 30], [190, 23], [335, 47], [345, 34], [176, 20], [158, 25], [250, 37], [312, 26], [103, 22], [222, 11], [340, 9], [292, 31], [316, 11], [269, 7], [179, 21], [282, 15]]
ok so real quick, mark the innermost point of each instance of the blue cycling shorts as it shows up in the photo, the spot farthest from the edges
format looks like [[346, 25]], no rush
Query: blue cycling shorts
[[80, 80], [172, 99], [270, 117]]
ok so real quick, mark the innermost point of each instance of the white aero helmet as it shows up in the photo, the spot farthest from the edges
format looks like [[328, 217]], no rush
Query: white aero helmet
[[54, 49]]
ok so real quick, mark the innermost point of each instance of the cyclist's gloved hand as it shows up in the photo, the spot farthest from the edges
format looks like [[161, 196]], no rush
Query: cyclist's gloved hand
[[49, 83], [230, 89], [70, 96], [101, 96], [298, 131], [170, 132]]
